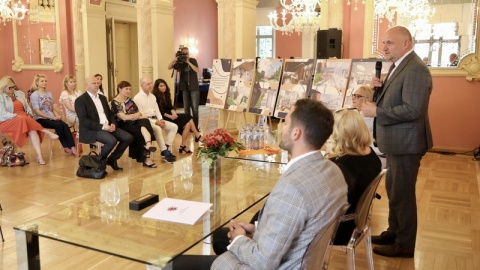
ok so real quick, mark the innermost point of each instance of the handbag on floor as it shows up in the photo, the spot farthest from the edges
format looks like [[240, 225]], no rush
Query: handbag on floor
[[5, 153], [16, 159], [92, 166]]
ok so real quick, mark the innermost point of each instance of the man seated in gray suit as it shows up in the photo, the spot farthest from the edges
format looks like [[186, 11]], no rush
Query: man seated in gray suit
[[302, 203]]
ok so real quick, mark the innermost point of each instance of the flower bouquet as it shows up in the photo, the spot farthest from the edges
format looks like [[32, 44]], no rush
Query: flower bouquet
[[218, 143]]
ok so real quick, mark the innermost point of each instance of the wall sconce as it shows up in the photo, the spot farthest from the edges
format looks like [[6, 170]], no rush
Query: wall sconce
[[192, 45]]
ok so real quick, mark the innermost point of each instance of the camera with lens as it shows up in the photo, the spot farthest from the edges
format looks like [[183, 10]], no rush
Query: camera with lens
[[181, 59]]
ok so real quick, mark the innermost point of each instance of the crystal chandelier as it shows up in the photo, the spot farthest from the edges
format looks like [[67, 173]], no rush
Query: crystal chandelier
[[12, 13], [415, 11], [298, 16]]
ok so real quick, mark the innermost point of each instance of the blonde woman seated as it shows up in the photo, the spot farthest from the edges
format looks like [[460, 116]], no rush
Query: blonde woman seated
[[42, 104], [359, 97], [349, 148], [16, 120], [362, 94], [67, 98], [131, 120]]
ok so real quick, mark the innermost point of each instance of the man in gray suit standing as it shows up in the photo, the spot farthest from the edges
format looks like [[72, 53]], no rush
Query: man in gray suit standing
[[304, 200], [402, 132]]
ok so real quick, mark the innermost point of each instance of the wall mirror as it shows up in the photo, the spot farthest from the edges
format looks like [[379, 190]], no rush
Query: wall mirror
[[452, 29], [36, 39]]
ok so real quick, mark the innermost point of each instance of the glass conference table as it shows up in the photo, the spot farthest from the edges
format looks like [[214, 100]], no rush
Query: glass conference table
[[232, 186]]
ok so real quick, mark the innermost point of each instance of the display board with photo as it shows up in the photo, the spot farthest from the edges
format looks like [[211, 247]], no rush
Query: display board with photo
[[362, 72], [296, 80], [241, 83], [331, 81], [218, 90], [265, 88]]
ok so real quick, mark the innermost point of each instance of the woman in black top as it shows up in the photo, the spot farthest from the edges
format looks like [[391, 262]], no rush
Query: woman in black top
[[183, 121], [349, 147], [132, 121]]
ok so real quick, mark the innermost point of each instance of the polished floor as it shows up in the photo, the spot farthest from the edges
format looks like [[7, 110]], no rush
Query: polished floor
[[447, 195]]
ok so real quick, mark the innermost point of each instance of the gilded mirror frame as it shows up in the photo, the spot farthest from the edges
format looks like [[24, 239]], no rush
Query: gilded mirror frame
[[469, 66], [18, 64]]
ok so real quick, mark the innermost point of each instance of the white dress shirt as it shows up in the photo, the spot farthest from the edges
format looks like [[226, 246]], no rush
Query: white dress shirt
[[99, 106], [147, 104]]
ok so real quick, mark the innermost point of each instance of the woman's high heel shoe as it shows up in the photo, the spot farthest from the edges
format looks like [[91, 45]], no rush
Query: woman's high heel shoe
[[41, 161], [149, 165], [183, 148], [197, 139], [151, 148]]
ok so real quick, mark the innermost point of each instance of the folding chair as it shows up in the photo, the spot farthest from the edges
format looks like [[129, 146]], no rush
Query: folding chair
[[1, 233], [315, 255], [361, 217]]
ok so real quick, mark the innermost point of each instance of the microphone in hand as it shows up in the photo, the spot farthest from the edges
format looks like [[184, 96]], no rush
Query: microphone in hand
[[378, 73]]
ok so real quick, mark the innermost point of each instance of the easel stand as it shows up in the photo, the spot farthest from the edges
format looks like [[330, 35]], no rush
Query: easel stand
[[258, 118], [213, 114], [232, 119]]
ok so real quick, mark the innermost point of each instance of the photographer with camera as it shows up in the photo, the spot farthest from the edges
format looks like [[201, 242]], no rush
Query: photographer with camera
[[188, 82]]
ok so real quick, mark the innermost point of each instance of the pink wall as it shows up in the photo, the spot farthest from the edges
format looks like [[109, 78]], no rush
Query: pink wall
[[197, 19], [287, 46], [24, 78], [453, 112]]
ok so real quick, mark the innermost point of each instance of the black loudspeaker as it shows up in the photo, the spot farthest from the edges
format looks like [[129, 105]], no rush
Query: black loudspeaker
[[329, 43]]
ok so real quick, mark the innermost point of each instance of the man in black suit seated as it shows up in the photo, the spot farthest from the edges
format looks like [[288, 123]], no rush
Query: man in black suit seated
[[96, 123]]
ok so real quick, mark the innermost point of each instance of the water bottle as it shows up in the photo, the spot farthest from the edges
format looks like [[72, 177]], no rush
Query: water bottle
[[248, 137], [261, 142], [255, 136], [243, 134], [266, 136]]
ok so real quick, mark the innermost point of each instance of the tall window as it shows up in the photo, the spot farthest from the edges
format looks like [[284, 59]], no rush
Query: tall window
[[437, 42], [265, 42]]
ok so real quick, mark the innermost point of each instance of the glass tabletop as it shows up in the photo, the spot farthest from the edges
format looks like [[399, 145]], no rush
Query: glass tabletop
[[87, 221], [280, 156]]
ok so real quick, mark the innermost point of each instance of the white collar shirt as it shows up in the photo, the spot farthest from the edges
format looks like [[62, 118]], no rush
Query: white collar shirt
[[147, 104], [99, 106]]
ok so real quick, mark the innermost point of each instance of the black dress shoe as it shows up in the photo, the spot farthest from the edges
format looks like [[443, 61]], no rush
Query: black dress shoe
[[394, 250], [385, 238], [114, 165]]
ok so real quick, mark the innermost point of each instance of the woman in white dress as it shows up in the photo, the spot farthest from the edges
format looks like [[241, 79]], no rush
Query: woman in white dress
[[67, 98]]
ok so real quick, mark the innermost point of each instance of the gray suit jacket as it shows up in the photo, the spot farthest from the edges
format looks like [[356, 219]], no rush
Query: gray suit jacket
[[304, 200], [402, 124]]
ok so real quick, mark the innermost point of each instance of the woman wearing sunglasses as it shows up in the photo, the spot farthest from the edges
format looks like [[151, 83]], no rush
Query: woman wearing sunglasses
[[16, 118]]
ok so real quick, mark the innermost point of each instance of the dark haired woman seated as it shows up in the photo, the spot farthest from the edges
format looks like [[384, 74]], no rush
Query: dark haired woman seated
[[131, 120], [183, 121]]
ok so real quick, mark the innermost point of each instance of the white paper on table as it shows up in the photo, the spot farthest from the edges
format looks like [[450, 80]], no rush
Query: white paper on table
[[180, 211]]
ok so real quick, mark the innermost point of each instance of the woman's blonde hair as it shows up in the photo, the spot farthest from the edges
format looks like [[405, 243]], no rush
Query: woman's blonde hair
[[35, 80], [6, 81], [366, 92], [350, 134], [65, 81]]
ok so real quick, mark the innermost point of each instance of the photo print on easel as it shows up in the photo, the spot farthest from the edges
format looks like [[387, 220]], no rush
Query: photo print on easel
[[241, 83], [218, 90], [265, 89], [296, 80]]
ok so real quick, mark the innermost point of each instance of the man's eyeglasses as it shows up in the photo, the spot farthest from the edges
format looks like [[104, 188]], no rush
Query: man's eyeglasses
[[346, 109], [355, 96], [12, 87]]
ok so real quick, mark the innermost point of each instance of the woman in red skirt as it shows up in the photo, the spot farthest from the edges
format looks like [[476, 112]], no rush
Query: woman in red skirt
[[16, 120]]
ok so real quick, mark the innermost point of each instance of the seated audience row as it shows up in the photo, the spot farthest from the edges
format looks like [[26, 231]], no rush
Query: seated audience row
[[16, 118]]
